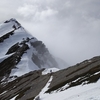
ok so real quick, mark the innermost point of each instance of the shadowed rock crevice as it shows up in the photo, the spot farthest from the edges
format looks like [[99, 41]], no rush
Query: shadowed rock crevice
[[7, 35], [14, 48]]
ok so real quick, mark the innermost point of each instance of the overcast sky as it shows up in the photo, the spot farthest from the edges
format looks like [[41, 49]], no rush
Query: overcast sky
[[69, 28]]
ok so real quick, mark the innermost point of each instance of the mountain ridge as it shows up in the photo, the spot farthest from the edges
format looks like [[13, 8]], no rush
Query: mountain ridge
[[24, 52], [29, 72]]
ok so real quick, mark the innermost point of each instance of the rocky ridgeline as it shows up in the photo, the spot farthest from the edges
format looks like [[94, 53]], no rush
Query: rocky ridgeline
[[43, 52], [28, 86]]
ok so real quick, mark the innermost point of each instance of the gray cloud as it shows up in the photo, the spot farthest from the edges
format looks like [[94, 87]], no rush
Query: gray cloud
[[69, 28]]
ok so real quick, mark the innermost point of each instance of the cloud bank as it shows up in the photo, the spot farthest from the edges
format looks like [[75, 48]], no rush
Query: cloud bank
[[69, 28]]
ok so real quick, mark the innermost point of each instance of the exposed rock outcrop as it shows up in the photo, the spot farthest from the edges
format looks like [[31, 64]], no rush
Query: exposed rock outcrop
[[11, 62], [83, 73], [7, 35]]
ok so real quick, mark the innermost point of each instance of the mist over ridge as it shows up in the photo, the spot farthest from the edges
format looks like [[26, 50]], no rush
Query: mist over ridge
[[70, 29]]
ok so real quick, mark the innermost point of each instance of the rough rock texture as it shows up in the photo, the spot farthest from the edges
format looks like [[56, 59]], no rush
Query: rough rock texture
[[86, 72], [7, 35], [28, 86]]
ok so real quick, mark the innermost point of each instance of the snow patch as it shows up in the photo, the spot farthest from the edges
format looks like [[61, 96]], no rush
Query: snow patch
[[14, 98], [86, 92], [3, 92], [49, 70]]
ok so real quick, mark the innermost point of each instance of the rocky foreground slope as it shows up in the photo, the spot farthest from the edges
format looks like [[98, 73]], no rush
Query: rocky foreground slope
[[29, 72], [28, 86]]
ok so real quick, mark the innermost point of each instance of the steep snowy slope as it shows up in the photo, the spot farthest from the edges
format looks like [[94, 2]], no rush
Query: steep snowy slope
[[85, 92], [20, 52]]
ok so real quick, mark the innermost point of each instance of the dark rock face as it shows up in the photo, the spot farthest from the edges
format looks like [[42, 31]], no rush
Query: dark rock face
[[13, 20], [37, 43], [14, 48]]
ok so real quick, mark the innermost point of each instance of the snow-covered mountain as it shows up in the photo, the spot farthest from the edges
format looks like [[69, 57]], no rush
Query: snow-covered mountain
[[24, 52], [29, 72]]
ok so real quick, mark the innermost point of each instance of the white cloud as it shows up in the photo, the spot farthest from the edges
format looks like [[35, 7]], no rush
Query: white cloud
[[47, 13], [69, 28], [36, 12], [27, 10]]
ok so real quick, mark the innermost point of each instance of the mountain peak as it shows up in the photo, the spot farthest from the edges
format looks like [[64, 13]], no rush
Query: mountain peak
[[11, 20], [24, 52], [14, 21]]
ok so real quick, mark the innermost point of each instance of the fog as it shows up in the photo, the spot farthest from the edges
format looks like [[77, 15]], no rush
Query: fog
[[70, 29]]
